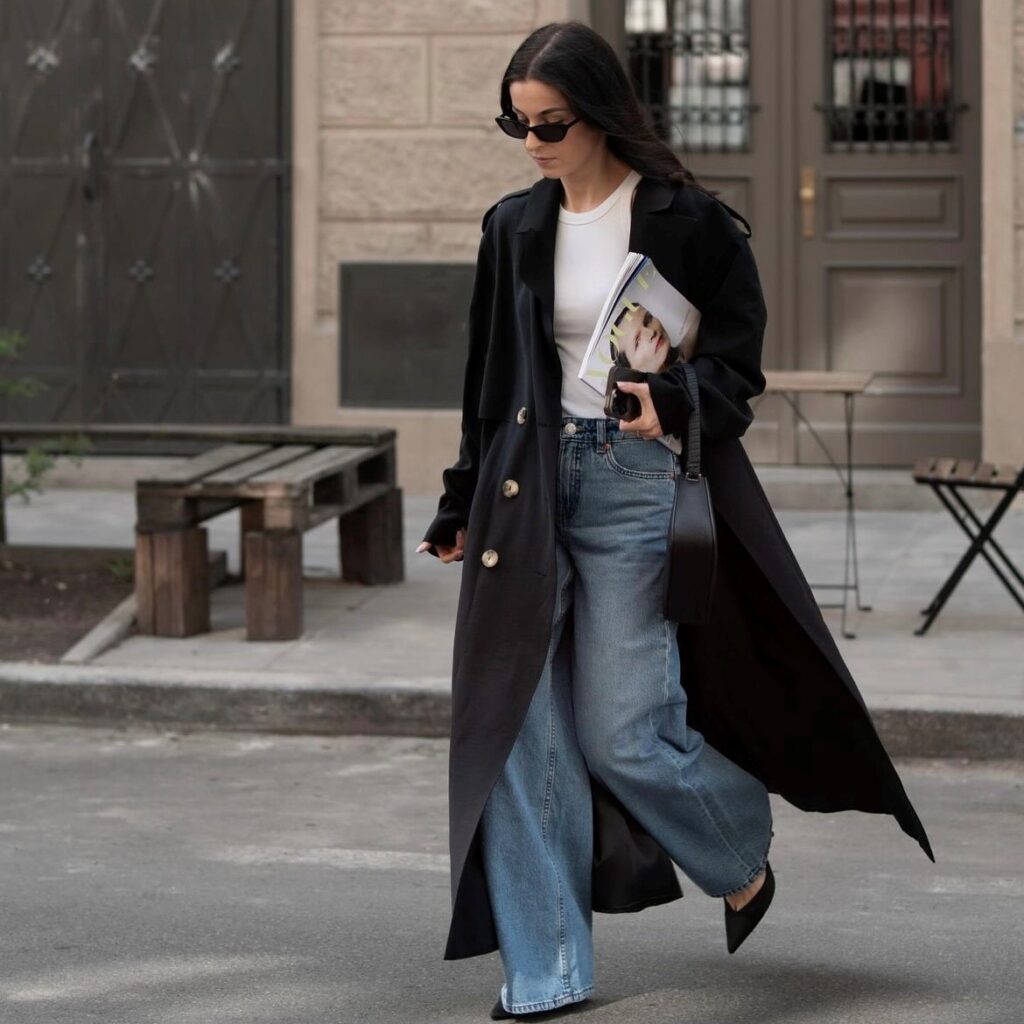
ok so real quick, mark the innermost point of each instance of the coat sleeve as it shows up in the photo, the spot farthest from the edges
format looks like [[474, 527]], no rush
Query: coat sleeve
[[459, 479], [727, 351]]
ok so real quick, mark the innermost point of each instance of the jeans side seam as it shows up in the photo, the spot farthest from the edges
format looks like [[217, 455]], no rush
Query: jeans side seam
[[707, 813], [549, 785], [679, 768]]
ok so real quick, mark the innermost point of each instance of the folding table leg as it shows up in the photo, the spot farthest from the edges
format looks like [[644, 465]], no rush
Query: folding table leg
[[975, 548], [850, 550]]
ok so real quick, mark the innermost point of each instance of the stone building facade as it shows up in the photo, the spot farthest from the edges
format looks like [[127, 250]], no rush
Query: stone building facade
[[395, 156]]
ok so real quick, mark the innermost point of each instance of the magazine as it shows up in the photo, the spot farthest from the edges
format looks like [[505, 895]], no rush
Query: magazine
[[646, 323]]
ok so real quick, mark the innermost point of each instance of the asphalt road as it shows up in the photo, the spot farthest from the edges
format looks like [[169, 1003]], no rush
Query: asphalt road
[[155, 878]]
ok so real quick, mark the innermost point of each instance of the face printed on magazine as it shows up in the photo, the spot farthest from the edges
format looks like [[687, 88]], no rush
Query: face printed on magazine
[[646, 324], [640, 341]]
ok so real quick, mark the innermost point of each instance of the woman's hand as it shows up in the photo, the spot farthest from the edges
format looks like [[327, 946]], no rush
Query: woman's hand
[[647, 423], [447, 554]]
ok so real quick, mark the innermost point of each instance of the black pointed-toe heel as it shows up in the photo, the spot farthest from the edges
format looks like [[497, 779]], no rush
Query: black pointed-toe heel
[[740, 923], [498, 1012]]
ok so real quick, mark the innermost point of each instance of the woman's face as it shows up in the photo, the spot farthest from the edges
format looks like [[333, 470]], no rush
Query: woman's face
[[643, 340], [534, 103]]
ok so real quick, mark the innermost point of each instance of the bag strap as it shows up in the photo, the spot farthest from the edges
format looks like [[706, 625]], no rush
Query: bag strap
[[693, 426]]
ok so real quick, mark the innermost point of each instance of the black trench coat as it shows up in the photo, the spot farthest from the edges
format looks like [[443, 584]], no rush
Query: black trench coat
[[765, 682]]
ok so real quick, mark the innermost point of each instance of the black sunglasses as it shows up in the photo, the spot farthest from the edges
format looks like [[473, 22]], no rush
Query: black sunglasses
[[553, 131]]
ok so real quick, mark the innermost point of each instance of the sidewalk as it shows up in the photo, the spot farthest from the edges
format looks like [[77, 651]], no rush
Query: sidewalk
[[378, 659]]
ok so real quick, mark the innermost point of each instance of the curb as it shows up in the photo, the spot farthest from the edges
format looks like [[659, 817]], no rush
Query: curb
[[323, 704], [224, 700], [978, 735]]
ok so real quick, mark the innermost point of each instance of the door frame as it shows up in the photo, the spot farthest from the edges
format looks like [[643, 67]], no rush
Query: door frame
[[776, 431], [1002, 347], [825, 412]]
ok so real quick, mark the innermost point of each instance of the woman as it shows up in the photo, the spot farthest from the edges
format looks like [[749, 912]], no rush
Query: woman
[[594, 742]]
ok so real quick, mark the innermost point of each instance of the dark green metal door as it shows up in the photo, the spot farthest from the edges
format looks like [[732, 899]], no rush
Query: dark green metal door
[[142, 208]]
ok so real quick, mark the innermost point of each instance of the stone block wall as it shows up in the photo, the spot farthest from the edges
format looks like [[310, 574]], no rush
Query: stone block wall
[[396, 157], [409, 155]]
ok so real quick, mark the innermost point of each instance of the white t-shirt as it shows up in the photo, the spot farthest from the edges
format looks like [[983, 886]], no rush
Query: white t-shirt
[[589, 250]]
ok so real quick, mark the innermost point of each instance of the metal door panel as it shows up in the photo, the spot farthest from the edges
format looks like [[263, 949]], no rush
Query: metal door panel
[[890, 279], [43, 276], [159, 262]]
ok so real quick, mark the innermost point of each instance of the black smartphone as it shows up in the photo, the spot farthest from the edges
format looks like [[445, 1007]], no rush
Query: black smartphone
[[620, 404]]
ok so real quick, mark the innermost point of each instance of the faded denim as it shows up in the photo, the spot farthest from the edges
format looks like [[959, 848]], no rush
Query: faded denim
[[608, 701]]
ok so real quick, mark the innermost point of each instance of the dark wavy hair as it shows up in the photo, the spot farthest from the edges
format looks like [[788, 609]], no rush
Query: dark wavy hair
[[581, 64]]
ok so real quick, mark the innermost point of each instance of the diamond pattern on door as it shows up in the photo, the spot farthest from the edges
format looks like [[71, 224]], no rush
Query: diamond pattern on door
[[142, 162]]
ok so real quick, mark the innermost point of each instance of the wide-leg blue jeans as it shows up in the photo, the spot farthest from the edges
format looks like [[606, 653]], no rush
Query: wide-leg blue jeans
[[608, 701]]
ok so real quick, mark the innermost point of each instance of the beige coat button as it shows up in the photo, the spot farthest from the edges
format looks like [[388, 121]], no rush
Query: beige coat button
[[489, 558], [510, 488], [521, 416]]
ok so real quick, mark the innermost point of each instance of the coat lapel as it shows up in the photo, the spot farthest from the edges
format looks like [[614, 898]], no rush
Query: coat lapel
[[655, 230]]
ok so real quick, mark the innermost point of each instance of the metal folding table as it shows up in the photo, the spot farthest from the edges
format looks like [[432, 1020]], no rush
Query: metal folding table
[[789, 383]]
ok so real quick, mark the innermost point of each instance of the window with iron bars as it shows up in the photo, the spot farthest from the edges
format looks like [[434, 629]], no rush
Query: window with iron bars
[[689, 61], [889, 75]]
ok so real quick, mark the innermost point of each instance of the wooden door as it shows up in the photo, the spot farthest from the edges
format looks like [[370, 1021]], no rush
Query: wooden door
[[846, 132], [886, 228]]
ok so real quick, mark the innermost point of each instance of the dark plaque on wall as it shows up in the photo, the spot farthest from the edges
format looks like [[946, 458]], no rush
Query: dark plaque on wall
[[403, 333]]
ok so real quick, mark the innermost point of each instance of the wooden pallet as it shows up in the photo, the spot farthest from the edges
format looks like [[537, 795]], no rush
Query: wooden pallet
[[281, 491]]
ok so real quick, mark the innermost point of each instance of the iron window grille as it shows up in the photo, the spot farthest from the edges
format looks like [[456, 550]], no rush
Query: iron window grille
[[689, 61], [889, 75]]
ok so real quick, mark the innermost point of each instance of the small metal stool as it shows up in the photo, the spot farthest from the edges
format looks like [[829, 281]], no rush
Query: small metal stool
[[947, 477]]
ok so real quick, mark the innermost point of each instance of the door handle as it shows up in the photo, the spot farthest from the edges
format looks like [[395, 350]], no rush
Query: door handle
[[90, 166], [807, 196]]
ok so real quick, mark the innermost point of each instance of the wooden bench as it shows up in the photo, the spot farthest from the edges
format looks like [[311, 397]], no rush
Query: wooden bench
[[283, 479], [947, 477], [282, 491]]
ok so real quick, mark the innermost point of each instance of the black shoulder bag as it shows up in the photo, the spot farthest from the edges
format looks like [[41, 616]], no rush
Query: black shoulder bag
[[692, 543]]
